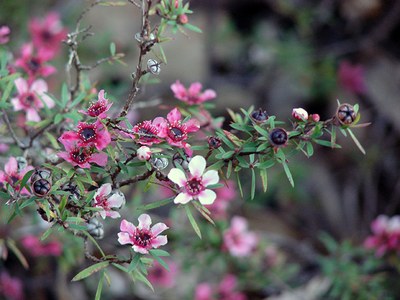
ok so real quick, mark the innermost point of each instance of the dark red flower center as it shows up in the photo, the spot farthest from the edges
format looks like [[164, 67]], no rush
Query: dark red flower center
[[46, 35], [28, 99], [142, 237], [176, 132], [80, 155], [147, 132], [34, 64], [96, 108], [101, 201], [87, 132], [194, 186]]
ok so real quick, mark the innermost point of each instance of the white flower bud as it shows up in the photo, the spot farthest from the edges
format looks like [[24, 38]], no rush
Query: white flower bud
[[143, 153], [300, 114]]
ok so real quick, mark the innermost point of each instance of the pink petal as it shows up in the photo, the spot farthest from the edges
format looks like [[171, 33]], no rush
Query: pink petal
[[103, 139], [127, 227], [174, 115], [124, 238], [116, 201], [32, 115], [207, 197], [104, 190], [182, 198], [179, 90], [69, 137], [158, 228], [47, 100], [48, 70], [207, 95], [140, 249], [195, 89], [210, 177], [21, 85], [103, 213], [192, 125], [17, 104], [100, 96], [177, 176], [113, 214], [39, 86], [197, 166], [161, 240], [11, 167], [144, 221], [99, 158], [238, 224]]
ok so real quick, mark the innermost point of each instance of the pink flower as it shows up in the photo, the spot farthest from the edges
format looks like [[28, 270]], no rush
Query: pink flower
[[203, 291], [224, 196], [193, 94], [11, 287], [143, 153], [351, 77], [38, 248], [195, 186], [30, 98], [386, 235], [148, 131], [143, 238], [106, 203], [238, 240], [4, 148], [99, 108], [88, 134], [159, 276], [176, 132], [81, 156], [11, 175], [48, 33], [300, 114], [34, 64], [4, 34]]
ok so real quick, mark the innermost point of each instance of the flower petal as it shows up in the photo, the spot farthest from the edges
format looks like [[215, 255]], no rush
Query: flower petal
[[99, 158], [158, 228], [17, 104], [207, 197], [113, 214], [197, 165], [21, 85], [127, 227], [144, 221], [32, 115], [161, 240], [124, 238], [104, 190], [195, 89], [11, 167], [182, 198], [192, 125], [140, 249], [39, 86], [115, 201], [177, 176], [210, 177], [103, 139], [174, 115]]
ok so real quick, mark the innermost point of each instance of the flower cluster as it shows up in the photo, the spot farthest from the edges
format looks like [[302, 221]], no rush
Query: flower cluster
[[12, 174], [106, 202], [226, 290], [238, 240], [385, 236]]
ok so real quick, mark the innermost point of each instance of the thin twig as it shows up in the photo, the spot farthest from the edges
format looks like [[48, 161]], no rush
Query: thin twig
[[12, 132]]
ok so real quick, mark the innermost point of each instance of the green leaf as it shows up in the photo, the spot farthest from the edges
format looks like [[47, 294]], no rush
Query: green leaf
[[100, 286], [64, 95], [310, 149], [112, 49], [26, 178], [46, 234], [253, 184], [264, 179], [139, 276], [204, 212], [239, 184], [58, 118], [94, 242], [288, 173], [161, 262], [192, 221], [261, 131], [78, 99], [91, 270], [52, 140], [134, 263], [159, 252], [192, 28], [13, 247], [358, 144]]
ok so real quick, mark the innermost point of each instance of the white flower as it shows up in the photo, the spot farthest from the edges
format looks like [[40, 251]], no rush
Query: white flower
[[106, 203], [300, 114], [143, 153], [195, 185]]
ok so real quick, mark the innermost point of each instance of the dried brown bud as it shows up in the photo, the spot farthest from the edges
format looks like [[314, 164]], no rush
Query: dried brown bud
[[345, 114], [259, 116], [214, 142], [278, 137]]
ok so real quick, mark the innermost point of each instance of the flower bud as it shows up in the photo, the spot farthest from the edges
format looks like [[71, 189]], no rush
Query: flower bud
[[143, 153], [278, 137], [214, 142], [177, 3], [160, 163], [183, 19], [315, 117], [345, 114], [259, 116], [300, 114], [177, 159]]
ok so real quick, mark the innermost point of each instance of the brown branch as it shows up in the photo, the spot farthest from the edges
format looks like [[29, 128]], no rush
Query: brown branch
[[136, 178], [11, 130]]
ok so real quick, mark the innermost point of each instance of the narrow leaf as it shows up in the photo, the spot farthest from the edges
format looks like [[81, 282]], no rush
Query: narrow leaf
[[358, 144], [192, 221], [91, 270]]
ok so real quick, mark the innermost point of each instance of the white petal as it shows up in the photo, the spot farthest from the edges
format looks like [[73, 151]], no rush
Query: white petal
[[115, 200], [210, 177], [39, 86], [124, 238], [144, 221], [182, 198], [22, 85], [140, 249], [177, 176], [197, 165], [207, 197], [158, 228], [104, 190], [159, 241]]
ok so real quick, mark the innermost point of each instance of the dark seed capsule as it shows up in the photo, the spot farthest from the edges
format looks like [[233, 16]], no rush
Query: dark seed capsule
[[41, 173], [345, 114], [214, 142], [278, 137], [259, 116], [41, 187]]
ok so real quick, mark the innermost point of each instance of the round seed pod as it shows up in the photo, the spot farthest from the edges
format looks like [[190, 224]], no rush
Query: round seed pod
[[41, 187], [214, 142], [278, 137], [259, 116], [41, 173], [95, 228], [160, 163], [345, 114]]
